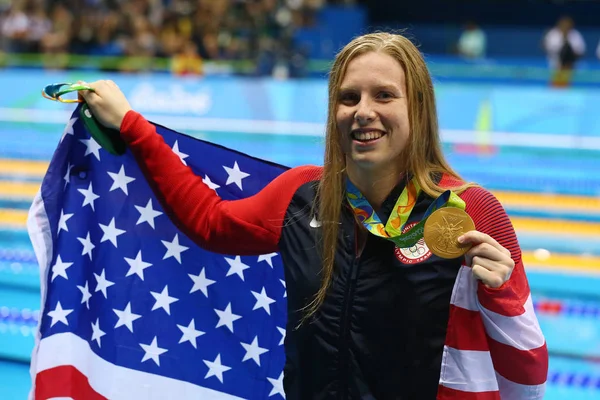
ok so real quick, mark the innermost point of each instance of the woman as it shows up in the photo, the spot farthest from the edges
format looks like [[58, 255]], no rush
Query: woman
[[370, 315]]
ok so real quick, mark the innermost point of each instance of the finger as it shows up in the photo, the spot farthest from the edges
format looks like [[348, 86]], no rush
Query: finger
[[80, 96], [493, 266], [90, 96], [475, 237], [488, 277], [486, 250]]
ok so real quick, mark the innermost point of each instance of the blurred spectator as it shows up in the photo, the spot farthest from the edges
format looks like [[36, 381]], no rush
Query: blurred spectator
[[38, 27], [139, 31], [188, 61], [15, 27], [564, 45], [472, 42], [56, 43]]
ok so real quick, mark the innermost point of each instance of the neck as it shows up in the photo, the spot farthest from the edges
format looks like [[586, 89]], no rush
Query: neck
[[374, 184]]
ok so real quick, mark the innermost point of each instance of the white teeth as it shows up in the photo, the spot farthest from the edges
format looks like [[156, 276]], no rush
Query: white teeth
[[366, 136]]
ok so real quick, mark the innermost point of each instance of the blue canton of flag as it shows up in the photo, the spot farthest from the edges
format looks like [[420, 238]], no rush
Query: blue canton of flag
[[132, 308]]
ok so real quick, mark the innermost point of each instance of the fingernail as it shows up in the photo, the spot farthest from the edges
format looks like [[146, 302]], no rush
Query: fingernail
[[461, 239]]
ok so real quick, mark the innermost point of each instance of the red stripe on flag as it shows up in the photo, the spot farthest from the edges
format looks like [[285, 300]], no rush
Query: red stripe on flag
[[466, 330], [64, 381], [526, 367], [508, 299], [445, 393]]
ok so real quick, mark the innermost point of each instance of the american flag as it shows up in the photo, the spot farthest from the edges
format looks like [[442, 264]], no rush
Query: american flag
[[131, 307]]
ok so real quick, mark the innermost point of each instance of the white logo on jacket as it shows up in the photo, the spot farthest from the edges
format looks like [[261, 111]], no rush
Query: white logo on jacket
[[414, 254], [314, 223]]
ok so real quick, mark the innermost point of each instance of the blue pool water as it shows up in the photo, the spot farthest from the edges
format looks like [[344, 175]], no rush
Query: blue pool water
[[573, 332]]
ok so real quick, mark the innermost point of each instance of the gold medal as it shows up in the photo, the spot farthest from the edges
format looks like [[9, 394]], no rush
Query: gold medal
[[442, 230]]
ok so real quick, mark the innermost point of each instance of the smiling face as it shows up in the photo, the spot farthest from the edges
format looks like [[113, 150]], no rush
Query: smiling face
[[372, 113]]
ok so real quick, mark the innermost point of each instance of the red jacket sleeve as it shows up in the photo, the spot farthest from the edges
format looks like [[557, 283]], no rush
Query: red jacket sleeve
[[517, 344], [242, 227]]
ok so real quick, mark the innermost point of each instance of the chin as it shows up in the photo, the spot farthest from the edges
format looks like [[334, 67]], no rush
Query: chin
[[366, 161]]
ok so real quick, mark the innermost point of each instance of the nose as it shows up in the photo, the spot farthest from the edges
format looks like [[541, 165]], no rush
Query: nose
[[365, 113]]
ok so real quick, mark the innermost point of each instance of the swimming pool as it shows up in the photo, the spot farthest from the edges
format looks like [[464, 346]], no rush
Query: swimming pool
[[552, 196]]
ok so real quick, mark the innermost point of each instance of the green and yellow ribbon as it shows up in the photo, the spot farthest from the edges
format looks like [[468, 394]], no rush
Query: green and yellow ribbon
[[396, 223]]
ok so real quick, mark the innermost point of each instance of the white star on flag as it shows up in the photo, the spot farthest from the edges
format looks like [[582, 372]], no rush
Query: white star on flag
[[60, 268], [201, 283], [92, 147], [69, 128], [226, 317], [85, 294], [126, 317], [236, 266], [67, 176], [210, 183], [268, 258], [111, 232], [88, 246], [282, 331], [152, 351], [285, 291], [235, 175], [59, 315], [182, 156], [215, 368], [263, 301], [89, 196], [163, 300], [97, 332], [62, 221], [174, 249], [120, 180], [277, 386], [253, 351], [137, 265], [147, 214], [189, 333], [102, 283]]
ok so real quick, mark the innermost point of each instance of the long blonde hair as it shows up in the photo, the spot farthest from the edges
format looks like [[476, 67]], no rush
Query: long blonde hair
[[423, 153]]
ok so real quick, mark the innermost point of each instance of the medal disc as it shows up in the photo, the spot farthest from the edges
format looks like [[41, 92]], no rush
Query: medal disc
[[442, 230]]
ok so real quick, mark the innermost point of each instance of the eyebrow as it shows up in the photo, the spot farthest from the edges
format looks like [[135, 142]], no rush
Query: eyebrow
[[381, 86]]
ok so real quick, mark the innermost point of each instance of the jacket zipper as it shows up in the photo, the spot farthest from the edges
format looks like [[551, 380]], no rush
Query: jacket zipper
[[346, 316]]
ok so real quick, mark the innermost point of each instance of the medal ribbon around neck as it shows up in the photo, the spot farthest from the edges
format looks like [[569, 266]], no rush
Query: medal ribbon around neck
[[392, 230]]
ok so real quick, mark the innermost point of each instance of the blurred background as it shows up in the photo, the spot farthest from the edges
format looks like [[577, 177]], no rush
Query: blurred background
[[518, 91]]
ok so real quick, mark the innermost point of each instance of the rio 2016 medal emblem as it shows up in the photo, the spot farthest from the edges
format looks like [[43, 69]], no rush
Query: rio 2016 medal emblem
[[442, 230]]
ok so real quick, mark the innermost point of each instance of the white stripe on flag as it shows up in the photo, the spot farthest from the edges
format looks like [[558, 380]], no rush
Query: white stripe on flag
[[512, 390], [112, 381], [464, 294], [468, 370], [522, 332], [38, 228]]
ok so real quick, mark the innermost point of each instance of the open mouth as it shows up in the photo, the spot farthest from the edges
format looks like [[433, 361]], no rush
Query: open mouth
[[366, 137]]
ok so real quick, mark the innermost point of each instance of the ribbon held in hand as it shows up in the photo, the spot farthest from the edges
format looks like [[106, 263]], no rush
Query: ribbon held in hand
[[55, 91], [109, 139]]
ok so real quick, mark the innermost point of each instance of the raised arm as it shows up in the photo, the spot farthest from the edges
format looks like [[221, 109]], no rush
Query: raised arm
[[248, 226]]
